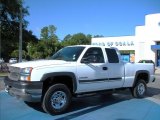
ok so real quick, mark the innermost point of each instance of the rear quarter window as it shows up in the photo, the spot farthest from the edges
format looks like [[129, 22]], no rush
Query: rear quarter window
[[112, 55]]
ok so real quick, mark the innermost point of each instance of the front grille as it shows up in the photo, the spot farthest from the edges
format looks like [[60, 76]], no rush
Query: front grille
[[14, 73], [14, 69]]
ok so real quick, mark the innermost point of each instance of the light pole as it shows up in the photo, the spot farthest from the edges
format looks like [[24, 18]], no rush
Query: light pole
[[0, 38], [0, 30], [20, 32]]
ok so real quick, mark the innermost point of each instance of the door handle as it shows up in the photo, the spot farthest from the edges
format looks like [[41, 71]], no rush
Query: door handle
[[105, 68]]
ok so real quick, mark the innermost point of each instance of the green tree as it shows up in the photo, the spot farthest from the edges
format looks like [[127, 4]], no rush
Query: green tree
[[89, 37], [48, 33], [66, 40], [51, 31], [46, 46], [16, 52], [76, 39], [9, 17], [44, 33], [67, 37]]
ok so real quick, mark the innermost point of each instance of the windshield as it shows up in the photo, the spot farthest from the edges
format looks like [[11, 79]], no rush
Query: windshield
[[68, 53]]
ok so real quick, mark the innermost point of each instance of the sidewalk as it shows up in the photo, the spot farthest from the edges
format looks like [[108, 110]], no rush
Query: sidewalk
[[157, 71]]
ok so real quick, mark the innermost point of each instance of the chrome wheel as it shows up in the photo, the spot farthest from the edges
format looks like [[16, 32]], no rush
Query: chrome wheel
[[58, 100], [141, 89]]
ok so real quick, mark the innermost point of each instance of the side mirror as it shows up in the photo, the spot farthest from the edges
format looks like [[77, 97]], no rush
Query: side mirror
[[90, 59], [85, 60]]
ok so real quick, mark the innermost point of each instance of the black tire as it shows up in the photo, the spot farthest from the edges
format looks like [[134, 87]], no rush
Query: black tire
[[57, 99], [139, 90]]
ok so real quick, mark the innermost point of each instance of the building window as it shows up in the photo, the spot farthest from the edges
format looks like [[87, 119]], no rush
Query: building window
[[128, 55]]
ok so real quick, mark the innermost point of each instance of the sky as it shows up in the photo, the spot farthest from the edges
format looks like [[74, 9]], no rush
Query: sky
[[95, 17]]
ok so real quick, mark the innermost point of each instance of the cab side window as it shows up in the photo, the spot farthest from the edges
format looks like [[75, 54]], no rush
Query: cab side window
[[112, 55], [94, 55]]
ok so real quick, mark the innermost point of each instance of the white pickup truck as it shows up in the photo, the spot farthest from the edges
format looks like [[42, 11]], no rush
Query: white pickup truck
[[74, 71]]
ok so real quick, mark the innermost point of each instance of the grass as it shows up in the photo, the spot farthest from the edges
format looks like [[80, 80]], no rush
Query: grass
[[3, 74]]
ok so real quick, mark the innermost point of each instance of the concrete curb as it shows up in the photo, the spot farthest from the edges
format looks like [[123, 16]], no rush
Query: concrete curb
[[157, 70]]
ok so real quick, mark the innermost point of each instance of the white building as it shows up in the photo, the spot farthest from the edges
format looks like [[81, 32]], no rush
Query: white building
[[145, 45]]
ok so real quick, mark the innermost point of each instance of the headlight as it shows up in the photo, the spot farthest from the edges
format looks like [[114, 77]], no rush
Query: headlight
[[26, 70], [25, 74]]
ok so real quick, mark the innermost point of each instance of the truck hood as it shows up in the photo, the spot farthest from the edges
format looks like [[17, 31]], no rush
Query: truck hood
[[39, 63]]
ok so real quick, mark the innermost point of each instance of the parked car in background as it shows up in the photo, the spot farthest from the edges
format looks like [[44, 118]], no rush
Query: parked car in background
[[13, 60], [1, 60]]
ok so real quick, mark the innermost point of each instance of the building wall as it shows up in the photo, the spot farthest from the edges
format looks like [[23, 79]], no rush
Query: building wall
[[143, 51], [122, 42], [148, 35], [145, 36]]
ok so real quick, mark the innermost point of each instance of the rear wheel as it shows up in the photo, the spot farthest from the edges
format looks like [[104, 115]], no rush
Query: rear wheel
[[139, 90], [57, 99]]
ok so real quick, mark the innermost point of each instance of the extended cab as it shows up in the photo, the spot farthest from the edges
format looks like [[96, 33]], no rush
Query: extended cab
[[73, 71]]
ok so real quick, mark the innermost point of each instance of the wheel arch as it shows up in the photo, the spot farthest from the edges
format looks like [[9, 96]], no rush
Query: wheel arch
[[58, 77], [141, 74]]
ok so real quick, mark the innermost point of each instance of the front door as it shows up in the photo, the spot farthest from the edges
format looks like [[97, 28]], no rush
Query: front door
[[92, 76]]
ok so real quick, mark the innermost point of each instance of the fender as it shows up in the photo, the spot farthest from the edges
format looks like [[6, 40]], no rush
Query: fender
[[54, 74], [141, 72]]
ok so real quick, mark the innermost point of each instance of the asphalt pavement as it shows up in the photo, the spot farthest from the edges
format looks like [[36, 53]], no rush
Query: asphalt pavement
[[116, 107], [119, 106]]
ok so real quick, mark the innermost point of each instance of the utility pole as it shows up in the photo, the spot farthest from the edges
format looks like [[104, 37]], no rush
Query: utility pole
[[0, 39], [0, 31], [20, 32]]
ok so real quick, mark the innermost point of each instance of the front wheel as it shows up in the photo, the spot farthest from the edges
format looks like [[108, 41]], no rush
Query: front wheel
[[139, 90], [57, 99]]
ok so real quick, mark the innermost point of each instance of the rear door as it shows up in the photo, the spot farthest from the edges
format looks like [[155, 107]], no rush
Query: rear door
[[115, 69]]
